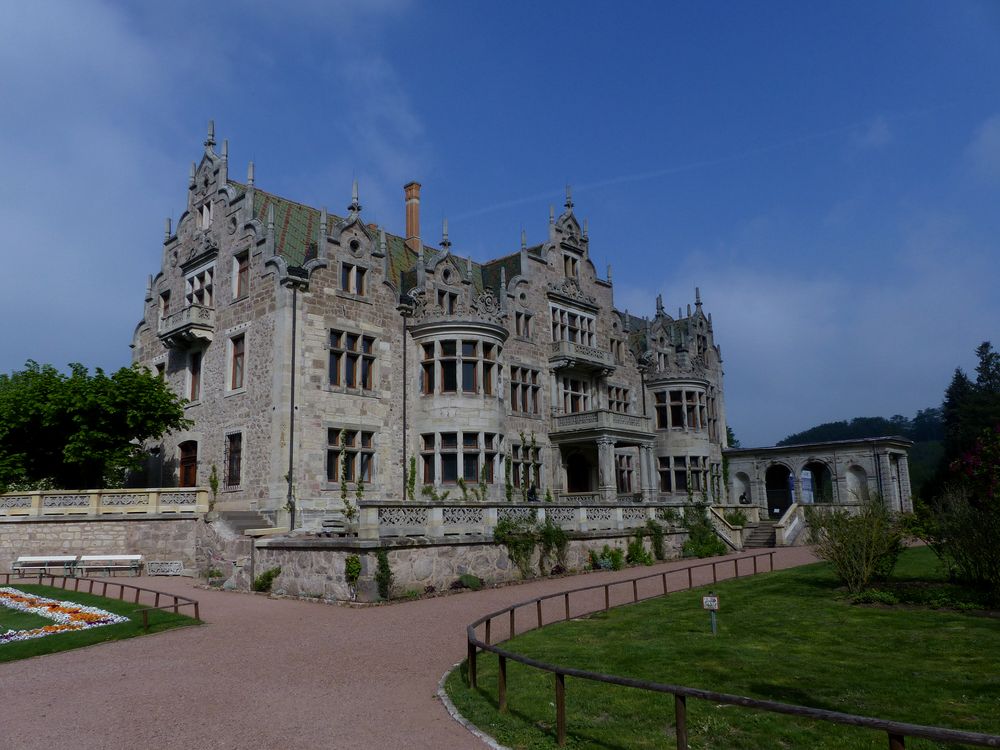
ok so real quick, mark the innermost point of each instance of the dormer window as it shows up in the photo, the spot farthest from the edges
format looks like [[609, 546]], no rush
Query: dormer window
[[200, 287], [571, 266], [352, 279], [206, 215], [164, 304], [447, 301]]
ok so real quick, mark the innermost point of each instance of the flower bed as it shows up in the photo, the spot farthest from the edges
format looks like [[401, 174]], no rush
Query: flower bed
[[67, 616]]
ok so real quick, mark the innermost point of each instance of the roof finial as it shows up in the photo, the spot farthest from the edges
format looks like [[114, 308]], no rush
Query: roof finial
[[355, 207], [468, 268], [210, 139], [524, 239], [659, 304], [697, 297], [322, 224], [191, 172], [586, 229], [270, 218], [445, 242], [381, 240], [552, 214], [225, 149], [250, 174], [167, 231], [609, 273], [689, 309], [680, 313], [569, 198]]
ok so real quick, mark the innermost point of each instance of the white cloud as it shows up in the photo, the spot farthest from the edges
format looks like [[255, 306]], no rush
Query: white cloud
[[874, 135], [984, 150]]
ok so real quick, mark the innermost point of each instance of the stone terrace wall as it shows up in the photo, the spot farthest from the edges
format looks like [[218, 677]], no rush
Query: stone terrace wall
[[162, 538], [315, 566]]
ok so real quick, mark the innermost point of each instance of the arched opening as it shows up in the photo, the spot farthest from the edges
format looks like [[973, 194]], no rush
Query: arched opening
[[188, 464], [741, 488], [779, 483], [578, 473], [857, 484], [817, 483]]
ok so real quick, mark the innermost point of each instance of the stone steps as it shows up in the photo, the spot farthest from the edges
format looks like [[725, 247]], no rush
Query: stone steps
[[762, 535]]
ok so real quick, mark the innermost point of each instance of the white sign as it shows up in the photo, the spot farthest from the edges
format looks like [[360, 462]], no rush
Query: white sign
[[710, 602]]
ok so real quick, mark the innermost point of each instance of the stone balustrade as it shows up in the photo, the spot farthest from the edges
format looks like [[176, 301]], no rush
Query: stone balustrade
[[570, 352], [600, 419], [187, 325], [35, 504], [442, 520]]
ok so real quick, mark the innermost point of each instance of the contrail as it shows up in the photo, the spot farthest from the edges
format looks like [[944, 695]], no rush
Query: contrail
[[665, 171]]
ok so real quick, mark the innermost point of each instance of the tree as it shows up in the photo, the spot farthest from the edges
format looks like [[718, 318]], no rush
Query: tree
[[731, 439], [79, 430]]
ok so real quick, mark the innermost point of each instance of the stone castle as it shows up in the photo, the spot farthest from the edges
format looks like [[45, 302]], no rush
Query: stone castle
[[318, 350]]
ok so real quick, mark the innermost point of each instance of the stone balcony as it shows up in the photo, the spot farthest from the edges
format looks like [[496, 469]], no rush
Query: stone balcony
[[599, 421], [570, 354], [193, 324]]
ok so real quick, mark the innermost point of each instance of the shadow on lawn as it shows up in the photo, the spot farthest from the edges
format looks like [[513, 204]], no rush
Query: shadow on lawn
[[786, 694]]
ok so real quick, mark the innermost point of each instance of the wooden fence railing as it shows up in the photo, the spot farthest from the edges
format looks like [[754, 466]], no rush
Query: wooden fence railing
[[897, 732], [135, 592]]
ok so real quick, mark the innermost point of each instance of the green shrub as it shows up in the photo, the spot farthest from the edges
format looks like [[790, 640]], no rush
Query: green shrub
[[862, 548], [875, 596], [702, 540], [669, 516], [519, 538], [470, 581], [352, 569], [265, 580], [411, 480], [554, 543], [637, 553], [656, 539], [383, 574], [608, 559], [736, 518]]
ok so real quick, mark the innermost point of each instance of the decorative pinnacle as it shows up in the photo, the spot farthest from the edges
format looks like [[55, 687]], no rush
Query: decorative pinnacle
[[381, 240], [250, 174], [210, 139], [659, 304], [524, 240], [552, 214], [355, 206], [225, 149], [270, 218], [569, 198], [322, 220], [586, 228], [167, 230], [697, 297], [445, 242], [191, 172]]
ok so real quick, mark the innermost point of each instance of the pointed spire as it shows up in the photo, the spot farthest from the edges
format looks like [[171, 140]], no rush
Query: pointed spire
[[355, 207], [270, 219], [167, 233], [680, 313], [569, 198], [552, 214], [689, 309], [210, 139], [322, 225], [586, 229], [445, 242], [149, 286], [468, 268], [503, 282], [609, 273], [697, 297], [250, 174], [659, 304], [381, 241], [225, 149], [524, 240], [191, 172]]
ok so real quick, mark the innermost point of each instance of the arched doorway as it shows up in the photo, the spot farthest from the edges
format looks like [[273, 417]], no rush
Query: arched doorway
[[817, 476], [741, 489], [189, 464], [578, 473], [857, 484], [778, 481]]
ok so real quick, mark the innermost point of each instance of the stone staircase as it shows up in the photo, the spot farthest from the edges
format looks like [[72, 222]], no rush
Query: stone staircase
[[241, 520], [762, 535]]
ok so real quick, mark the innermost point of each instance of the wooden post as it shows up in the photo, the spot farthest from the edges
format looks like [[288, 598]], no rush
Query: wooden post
[[137, 598], [176, 610], [502, 683], [715, 576], [567, 605], [157, 603], [488, 639], [680, 717], [145, 619], [512, 629], [635, 590], [664, 583], [472, 665], [104, 591], [560, 709], [538, 607], [755, 564], [690, 579], [607, 597], [196, 616], [771, 555], [896, 741], [736, 567]]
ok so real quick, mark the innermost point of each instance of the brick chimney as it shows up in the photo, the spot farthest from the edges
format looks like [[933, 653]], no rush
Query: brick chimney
[[412, 215]]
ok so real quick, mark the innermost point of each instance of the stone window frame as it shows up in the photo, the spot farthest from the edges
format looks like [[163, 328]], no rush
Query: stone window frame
[[525, 389], [436, 447], [199, 286], [194, 382], [362, 353], [624, 472], [522, 324], [362, 444], [227, 484], [694, 471], [163, 304], [675, 410], [619, 399], [572, 325], [567, 394], [525, 457], [232, 336], [241, 275], [353, 279], [472, 361]]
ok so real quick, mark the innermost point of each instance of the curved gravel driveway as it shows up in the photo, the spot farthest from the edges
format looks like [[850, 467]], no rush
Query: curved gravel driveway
[[265, 673]]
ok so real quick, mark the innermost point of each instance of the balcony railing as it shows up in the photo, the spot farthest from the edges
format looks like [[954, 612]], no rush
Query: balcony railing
[[600, 419], [567, 353], [186, 326], [34, 504]]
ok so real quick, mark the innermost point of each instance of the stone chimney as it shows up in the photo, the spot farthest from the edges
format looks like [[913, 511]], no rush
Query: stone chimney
[[412, 215]]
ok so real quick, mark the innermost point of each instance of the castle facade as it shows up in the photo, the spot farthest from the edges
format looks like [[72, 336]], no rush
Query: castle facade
[[318, 351]]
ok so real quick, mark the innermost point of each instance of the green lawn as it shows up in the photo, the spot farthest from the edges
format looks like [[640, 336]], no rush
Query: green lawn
[[790, 636], [13, 620]]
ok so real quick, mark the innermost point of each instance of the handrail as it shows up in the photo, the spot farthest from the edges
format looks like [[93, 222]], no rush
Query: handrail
[[178, 600], [896, 731]]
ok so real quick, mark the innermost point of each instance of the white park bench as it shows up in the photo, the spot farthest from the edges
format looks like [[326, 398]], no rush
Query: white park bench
[[108, 564], [42, 563]]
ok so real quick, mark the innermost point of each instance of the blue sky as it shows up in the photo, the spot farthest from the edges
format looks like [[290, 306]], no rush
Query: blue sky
[[827, 173]]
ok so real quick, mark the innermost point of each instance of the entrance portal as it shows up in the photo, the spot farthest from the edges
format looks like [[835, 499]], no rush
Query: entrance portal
[[578, 473], [189, 464], [778, 481], [822, 483]]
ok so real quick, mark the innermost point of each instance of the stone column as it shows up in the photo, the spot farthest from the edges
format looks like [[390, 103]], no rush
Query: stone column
[[606, 482], [888, 490], [557, 471], [646, 484], [905, 490]]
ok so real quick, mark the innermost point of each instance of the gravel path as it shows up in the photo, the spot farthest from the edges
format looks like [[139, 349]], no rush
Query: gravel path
[[265, 673]]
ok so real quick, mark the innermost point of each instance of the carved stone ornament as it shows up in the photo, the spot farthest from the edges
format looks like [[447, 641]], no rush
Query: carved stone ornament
[[461, 516], [20, 501], [125, 499], [178, 498], [164, 567], [402, 516], [487, 307], [571, 288]]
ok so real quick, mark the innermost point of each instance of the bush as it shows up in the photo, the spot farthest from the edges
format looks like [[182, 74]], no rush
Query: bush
[[519, 539], [383, 574], [637, 553], [469, 581], [669, 516], [736, 518], [352, 569], [702, 540], [862, 548], [875, 596], [265, 580], [656, 539], [554, 543], [608, 559]]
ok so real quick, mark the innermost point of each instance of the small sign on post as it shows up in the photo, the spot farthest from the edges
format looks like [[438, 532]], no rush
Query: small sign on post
[[711, 603]]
